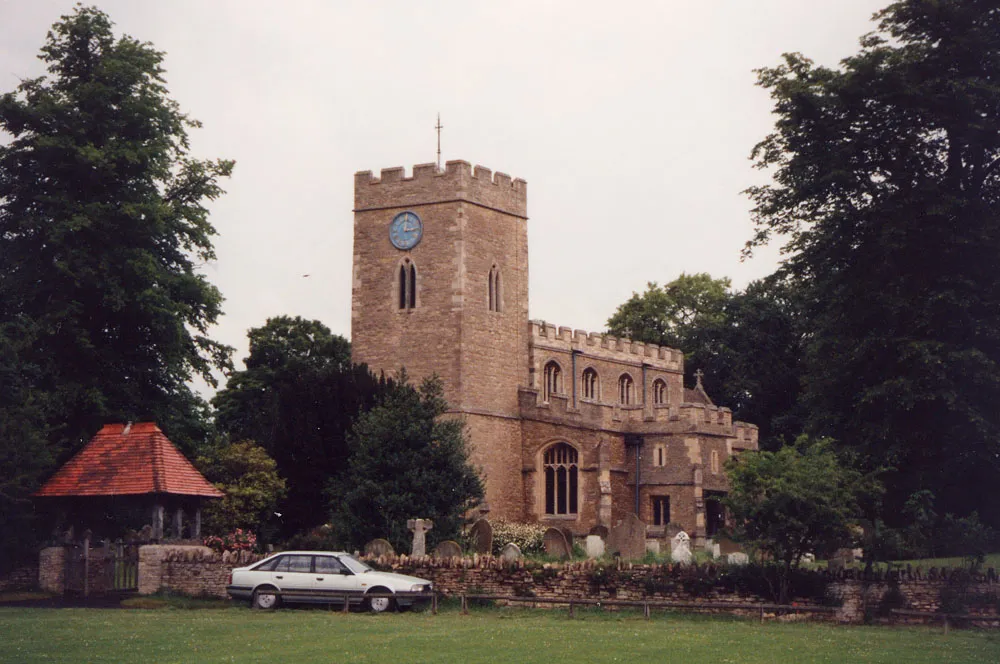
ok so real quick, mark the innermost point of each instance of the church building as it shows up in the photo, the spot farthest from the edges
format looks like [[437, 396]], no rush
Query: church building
[[568, 428]]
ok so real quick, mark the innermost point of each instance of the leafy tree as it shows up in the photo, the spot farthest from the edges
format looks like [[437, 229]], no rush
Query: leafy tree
[[103, 314], [407, 461], [102, 223], [665, 315], [298, 398], [887, 184], [798, 499], [249, 478]]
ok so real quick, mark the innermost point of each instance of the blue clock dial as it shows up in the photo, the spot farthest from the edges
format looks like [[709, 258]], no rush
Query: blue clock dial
[[405, 230]]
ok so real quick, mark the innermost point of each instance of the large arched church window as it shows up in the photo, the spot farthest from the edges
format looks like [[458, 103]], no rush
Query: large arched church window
[[553, 380], [561, 481], [407, 288]]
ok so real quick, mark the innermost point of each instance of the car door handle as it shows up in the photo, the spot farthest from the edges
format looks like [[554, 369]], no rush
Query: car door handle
[[319, 578], [278, 576]]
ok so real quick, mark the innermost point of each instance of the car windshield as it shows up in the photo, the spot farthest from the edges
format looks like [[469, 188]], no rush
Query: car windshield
[[354, 564]]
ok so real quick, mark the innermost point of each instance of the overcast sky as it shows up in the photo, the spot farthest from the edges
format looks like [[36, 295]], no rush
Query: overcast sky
[[631, 121]]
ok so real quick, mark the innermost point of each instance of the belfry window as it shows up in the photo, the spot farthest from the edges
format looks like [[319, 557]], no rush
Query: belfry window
[[553, 380], [560, 462], [591, 384], [659, 392], [407, 285], [626, 390], [496, 290]]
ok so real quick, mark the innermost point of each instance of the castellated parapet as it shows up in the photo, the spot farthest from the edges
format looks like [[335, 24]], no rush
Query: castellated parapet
[[458, 181], [605, 346]]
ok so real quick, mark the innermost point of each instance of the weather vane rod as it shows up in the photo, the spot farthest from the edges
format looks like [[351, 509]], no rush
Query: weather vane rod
[[439, 127]]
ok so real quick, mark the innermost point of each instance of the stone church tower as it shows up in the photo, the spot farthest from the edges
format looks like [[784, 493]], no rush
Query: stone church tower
[[441, 287]]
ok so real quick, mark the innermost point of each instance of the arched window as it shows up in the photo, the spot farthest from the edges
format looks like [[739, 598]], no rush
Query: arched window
[[496, 290], [560, 463], [591, 384], [553, 380], [407, 285], [659, 392], [626, 390]]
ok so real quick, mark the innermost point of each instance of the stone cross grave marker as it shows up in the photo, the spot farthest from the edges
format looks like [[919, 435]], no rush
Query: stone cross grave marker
[[680, 548], [419, 528]]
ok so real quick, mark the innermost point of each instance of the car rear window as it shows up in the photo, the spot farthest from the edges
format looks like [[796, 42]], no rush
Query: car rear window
[[294, 564]]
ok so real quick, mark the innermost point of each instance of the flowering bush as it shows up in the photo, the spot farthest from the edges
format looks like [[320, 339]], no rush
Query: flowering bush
[[238, 540], [529, 537]]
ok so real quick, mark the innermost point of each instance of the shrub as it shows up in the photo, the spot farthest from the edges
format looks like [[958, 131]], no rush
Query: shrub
[[237, 540], [529, 537]]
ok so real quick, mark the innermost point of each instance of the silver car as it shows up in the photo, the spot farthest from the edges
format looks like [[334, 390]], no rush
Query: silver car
[[323, 577]]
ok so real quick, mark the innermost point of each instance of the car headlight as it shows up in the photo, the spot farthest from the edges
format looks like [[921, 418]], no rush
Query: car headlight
[[420, 587]]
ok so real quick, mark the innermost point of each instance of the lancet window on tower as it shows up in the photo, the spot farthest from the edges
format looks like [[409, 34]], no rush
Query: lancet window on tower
[[553, 380], [626, 390], [407, 287], [496, 290], [560, 466], [591, 384]]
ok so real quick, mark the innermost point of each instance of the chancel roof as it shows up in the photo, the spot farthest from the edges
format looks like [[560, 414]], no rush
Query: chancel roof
[[128, 460]]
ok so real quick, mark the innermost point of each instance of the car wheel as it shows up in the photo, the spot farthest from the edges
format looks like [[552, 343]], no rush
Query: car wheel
[[265, 598], [380, 604]]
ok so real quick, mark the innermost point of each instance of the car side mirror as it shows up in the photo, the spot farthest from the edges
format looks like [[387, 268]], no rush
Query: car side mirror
[[345, 572]]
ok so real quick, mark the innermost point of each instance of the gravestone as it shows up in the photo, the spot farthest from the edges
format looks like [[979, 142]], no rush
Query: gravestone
[[556, 544], [600, 531], [379, 547], [510, 552], [737, 558], [653, 546], [628, 538], [680, 548], [594, 546], [448, 549], [481, 536], [419, 527]]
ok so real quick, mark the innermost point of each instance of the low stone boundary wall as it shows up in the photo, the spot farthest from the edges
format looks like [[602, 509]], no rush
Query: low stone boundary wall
[[191, 570], [20, 578]]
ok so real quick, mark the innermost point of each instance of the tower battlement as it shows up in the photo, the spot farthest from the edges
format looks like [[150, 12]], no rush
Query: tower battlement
[[605, 345], [458, 181]]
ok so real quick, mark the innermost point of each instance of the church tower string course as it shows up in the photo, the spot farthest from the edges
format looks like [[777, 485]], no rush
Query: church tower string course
[[568, 428]]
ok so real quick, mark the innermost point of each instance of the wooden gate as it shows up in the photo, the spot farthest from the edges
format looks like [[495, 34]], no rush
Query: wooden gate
[[125, 570]]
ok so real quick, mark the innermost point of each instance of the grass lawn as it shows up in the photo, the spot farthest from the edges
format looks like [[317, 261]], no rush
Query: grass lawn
[[487, 635]]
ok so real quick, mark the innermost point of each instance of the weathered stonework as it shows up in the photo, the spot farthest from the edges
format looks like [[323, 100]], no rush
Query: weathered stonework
[[475, 334]]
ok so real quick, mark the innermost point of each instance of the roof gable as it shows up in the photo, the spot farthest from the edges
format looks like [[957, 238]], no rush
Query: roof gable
[[128, 460]]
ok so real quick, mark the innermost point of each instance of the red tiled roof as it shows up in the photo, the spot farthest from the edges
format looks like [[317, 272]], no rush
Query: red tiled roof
[[118, 462]]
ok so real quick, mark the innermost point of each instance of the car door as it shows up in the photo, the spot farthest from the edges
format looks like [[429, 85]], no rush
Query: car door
[[293, 577], [333, 579]]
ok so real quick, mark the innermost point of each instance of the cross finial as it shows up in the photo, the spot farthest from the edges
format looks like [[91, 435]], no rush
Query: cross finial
[[698, 374], [439, 127]]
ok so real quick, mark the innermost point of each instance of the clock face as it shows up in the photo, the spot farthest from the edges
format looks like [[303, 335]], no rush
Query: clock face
[[405, 230]]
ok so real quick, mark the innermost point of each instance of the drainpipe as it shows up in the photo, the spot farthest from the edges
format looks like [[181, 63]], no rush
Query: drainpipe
[[573, 355], [636, 442]]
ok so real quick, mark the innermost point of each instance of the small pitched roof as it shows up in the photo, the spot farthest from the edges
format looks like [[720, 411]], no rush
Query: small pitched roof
[[128, 460]]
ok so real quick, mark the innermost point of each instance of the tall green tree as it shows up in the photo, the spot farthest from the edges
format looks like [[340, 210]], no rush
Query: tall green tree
[[407, 460], [298, 398], [103, 224], [886, 182]]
